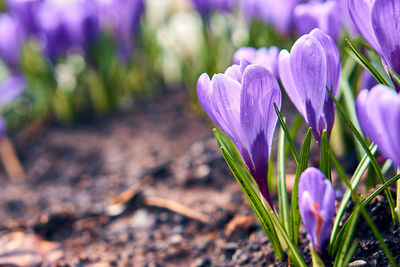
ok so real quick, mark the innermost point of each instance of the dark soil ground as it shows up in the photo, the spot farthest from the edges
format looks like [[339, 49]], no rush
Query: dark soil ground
[[147, 187]]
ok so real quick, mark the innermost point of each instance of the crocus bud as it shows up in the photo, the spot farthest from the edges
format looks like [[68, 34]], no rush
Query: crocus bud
[[378, 111], [378, 23], [323, 15], [317, 207], [263, 56], [241, 103], [312, 65]]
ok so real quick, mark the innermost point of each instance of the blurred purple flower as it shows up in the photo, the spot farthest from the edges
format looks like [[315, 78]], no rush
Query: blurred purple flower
[[11, 40], [3, 127], [122, 18], [378, 23], [241, 104], [378, 112], [67, 25], [206, 7], [312, 65], [277, 13], [25, 11], [326, 16], [11, 88], [317, 207], [263, 56]]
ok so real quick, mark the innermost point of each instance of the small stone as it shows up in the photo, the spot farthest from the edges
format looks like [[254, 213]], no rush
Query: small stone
[[202, 262], [357, 263], [230, 248], [142, 219]]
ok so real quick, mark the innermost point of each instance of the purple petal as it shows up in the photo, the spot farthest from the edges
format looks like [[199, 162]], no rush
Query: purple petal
[[234, 72], [386, 25], [260, 91], [323, 15], [285, 74], [11, 40], [375, 112], [247, 53], [226, 100], [333, 59], [308, 65], [360, 12]]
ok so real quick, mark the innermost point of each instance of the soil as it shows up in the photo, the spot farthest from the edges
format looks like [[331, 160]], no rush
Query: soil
[[146, 187]]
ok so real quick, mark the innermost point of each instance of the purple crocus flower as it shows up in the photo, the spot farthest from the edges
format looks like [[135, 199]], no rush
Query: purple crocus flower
[[378, 23], [277, 13], [25, 11], [122, 18], [67, 25], [11, 40], [263, 56], [317, 207], [206, 7], [241, 103], [326, 16], [312, 65], [378, 111]]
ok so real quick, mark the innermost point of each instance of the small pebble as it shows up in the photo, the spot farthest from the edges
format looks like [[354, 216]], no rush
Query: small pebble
[[357, 263]]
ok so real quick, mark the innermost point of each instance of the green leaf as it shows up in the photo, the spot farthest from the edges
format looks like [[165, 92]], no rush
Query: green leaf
[[345, 245], [282, 192], [363, 204], [324, 163], [361, 168], [303, 163], [266, 215], [248, 184], [367, 218], [394, 75], [316, 260], [366, 149], [366, 64], [293, 131], [288, 137], [348, 99]]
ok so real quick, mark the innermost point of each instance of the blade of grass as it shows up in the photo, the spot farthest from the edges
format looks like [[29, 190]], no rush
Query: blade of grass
[[361, 168], [324, 162], [365, 147], [394, 75], [244, 178], [282, 192], [370, 223], [363, 204], [346, 244], [366, 64], [288, 137], [304, 154], [293, 131], [268, 219], [348, 98]]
